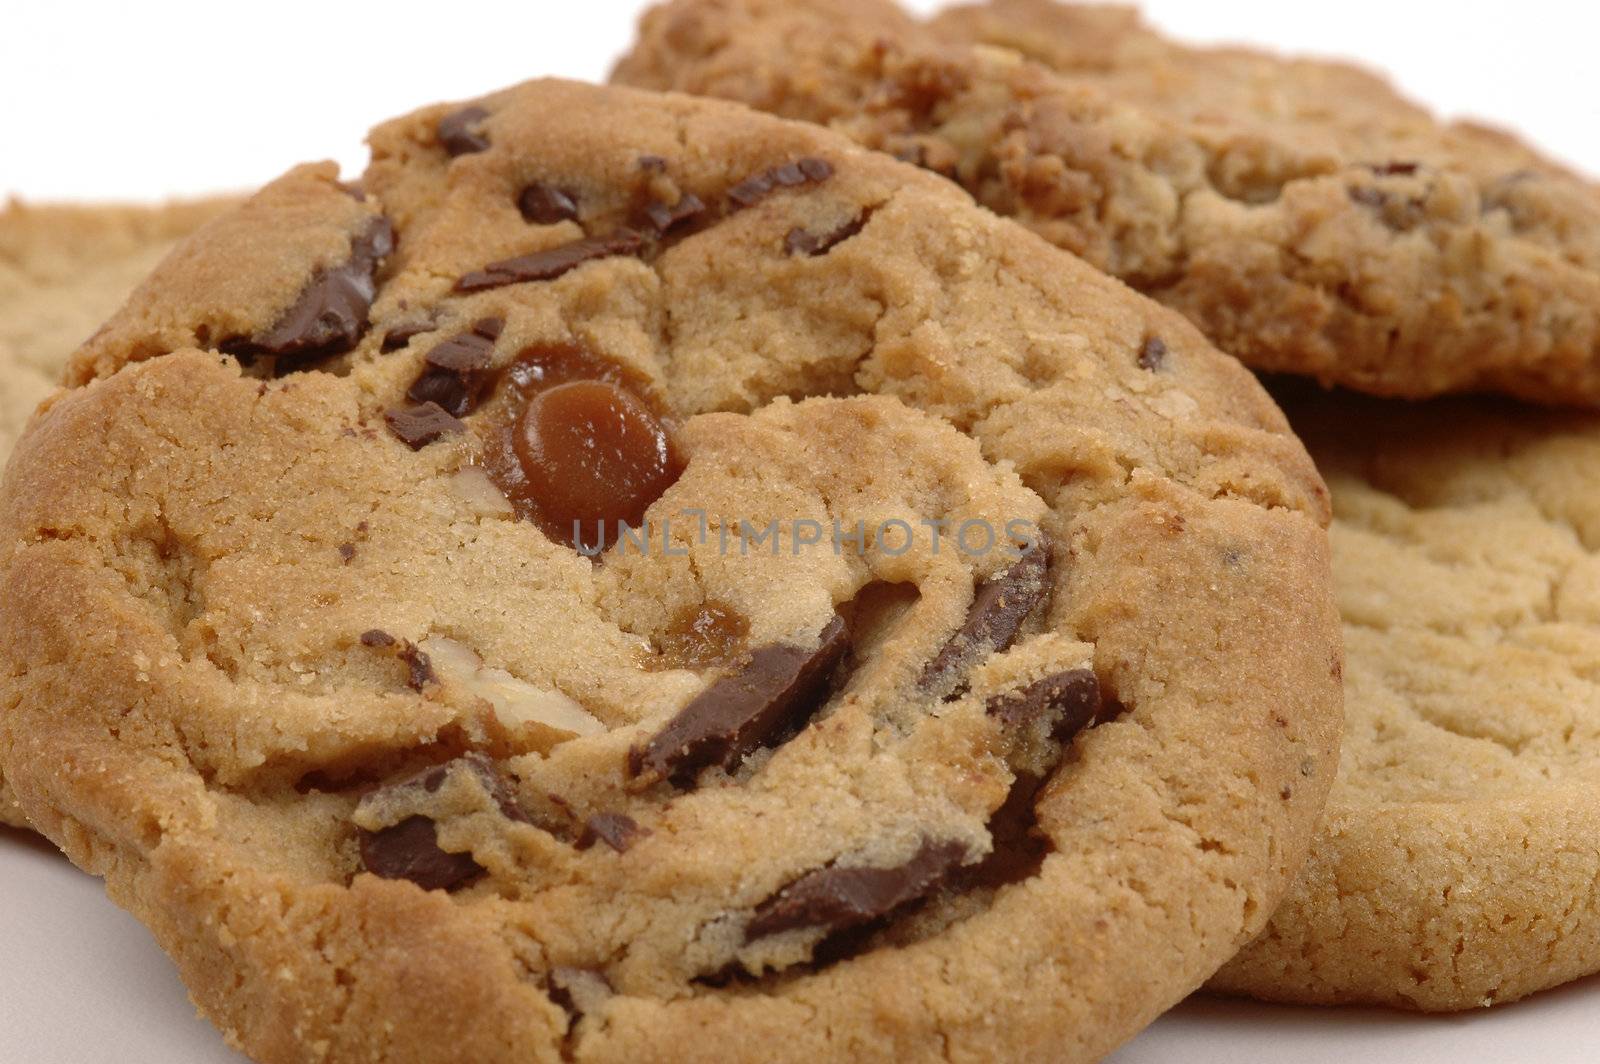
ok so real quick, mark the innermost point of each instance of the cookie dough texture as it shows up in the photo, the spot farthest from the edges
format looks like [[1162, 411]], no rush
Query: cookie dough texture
[[201, 711], [1458, 864], [1305, 216], [63, 270]]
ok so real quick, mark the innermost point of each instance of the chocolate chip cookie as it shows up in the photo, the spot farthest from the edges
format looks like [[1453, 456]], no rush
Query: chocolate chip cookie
[[63, 270], [1304, 215], [1458, 865], [633, 578]]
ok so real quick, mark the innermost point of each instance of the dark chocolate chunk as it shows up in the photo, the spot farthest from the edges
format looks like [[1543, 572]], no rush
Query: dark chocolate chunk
[[330, 314], [1152, 353], [617, 830], [402, 334], [776, 693], [544, 204], [456, 133], [662, 219], [418, 426], [759, 186], [410, 850], [377, 637], [347, 551], [552, 263], [419, 668], [998, 609], [1070, 697], [459, 371], [803, 242], [835, 898]]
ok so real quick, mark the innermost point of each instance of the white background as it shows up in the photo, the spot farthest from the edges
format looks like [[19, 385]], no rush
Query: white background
[[144, 101]]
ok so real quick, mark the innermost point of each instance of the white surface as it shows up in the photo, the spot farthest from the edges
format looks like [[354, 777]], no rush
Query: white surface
[[140, 101]]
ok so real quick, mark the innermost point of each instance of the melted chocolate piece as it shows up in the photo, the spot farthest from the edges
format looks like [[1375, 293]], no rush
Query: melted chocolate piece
[[757, 187], [835, 899], [998, 609], [1153, 353], [1070, 697], [402, 334], [330, 314], [419, 669], [459, 371], [456, 134], [662, 219], [617, 830], [551, 263], [377, 637], [775, 694], [418, 426], [410, 850], [593, 457], [544, 204], [803, 242]]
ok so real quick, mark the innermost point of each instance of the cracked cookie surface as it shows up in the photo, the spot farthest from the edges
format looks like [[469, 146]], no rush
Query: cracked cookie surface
[[1308, 218], [63, 270], [356, 693], [1457, 867]]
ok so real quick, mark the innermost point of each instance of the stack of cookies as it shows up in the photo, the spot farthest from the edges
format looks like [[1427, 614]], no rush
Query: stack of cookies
[[783, 558]]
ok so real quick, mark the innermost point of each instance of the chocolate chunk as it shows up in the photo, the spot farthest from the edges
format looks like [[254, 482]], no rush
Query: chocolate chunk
[[402, 334], [419, 667], [459, 371], [544, 204], [802, 242], [552, 263], [617, 830], [776, 693], [995, 617], [1398, 169], [330, 314], [1153, 353], [662, 219], [347, 552], [759, 186], [1070, 700], [834, 898], [418, 426], [410, 850], [377, 637], [456, 134]]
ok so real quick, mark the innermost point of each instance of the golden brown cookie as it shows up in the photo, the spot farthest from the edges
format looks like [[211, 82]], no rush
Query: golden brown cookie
[[1458, 865], [63, 270], [638, 579], [1304, 215]]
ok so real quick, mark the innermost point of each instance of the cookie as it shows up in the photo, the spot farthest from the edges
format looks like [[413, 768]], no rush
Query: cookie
[[63, 270], [1304, 215], [1458, 866], [496, 612]]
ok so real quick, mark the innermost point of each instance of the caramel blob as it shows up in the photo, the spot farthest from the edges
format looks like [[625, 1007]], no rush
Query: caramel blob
[[703, 636], [593, 456]]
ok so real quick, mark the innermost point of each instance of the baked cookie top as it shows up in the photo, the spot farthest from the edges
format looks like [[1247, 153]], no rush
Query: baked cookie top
[[1303, 214], [63, 270], [1457, 868], [337, 700]]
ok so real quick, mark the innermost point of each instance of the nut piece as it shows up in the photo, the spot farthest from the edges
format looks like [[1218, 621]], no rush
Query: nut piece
[[538, 717]]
